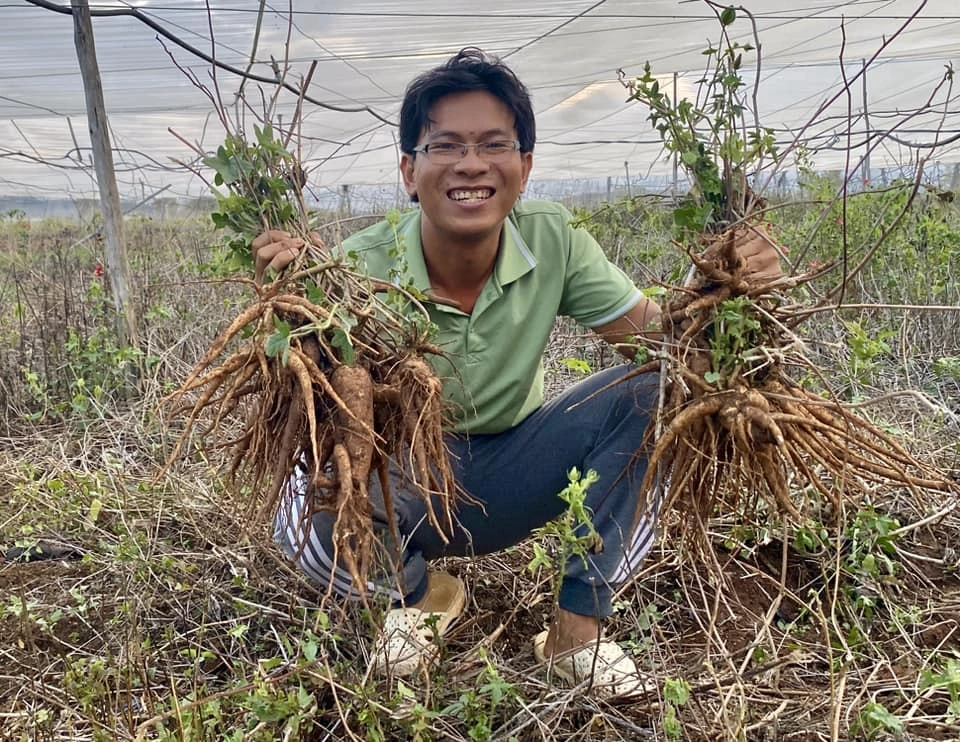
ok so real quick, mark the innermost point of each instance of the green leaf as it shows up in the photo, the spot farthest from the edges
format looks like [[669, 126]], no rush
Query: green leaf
[[264, 135], [342, 342], [278, 344], [224, 165], [577, 365], [540, 559], [676, 691], [693, 217], [875, 717], [305, 699], [711, 377], [309, 648], [96, 506], [271, 664], [315, 294], [728, 16]]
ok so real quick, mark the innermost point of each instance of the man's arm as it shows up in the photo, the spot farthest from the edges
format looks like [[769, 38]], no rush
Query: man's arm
[[643, 321]]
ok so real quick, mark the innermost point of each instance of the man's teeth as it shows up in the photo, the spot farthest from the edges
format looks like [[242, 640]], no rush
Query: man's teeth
[[478, 195]]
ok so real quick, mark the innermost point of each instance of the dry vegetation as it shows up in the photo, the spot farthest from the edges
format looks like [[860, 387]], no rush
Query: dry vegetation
[[164, 617]]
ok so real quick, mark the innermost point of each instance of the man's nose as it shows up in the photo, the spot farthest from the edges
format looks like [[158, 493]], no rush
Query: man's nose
[[471, 161]]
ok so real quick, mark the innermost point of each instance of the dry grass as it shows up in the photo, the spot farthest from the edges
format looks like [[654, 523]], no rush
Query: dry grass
[[167, 618]]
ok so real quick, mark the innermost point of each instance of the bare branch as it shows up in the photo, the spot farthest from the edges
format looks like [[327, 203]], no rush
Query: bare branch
[[135, 13]]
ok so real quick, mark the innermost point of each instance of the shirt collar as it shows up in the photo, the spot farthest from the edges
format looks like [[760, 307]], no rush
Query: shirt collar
[[413, 251], [513, 261]]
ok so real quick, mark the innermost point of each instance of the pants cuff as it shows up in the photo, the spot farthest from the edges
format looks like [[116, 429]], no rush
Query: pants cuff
[[586, 598], [416, 580]]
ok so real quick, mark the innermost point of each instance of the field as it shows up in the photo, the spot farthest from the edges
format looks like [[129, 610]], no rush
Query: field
[[164, 615]]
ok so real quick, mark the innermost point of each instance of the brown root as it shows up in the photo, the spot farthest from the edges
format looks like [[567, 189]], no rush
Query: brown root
[[737, 439], [306, 406]]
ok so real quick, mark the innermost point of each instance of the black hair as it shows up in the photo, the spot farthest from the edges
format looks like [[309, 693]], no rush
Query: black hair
[[468, 70]]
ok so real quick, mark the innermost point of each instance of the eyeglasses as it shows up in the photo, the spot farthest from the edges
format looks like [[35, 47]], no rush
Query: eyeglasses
[[450, 153]]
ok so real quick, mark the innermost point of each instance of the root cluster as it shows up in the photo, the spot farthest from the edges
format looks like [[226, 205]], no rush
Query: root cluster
[[330, 378], [735, 432]]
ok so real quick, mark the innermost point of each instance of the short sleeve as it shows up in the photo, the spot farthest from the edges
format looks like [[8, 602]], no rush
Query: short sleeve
[[595, 290]]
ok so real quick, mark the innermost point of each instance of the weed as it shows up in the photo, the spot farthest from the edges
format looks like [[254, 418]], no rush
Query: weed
[[867, 350], [479, 707], [874, 720], [873, 548], [736, 331], [947, 678], [577, 365], [811, 539], [701, 136], [416, 720], [572, 535], [676, 694], [947, 367]]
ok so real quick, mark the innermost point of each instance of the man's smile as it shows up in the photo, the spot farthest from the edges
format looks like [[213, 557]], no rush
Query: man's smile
[[470, 194]]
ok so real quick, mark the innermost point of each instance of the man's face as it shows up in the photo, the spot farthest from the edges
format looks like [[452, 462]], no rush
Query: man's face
[[469, 199]]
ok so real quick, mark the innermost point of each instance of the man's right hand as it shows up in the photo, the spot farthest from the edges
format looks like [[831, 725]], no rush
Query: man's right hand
[[276, 249]]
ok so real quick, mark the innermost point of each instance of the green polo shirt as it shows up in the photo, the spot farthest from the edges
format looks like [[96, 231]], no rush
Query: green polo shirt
[[493, 369]]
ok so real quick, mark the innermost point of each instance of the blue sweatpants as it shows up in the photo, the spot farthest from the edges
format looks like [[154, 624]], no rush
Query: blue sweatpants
[[515, 476]]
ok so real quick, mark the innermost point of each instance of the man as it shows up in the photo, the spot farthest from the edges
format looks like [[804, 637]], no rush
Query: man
[[498, 272]]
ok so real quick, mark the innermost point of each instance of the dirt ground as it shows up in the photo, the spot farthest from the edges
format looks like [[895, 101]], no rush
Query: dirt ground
[[98, 638]]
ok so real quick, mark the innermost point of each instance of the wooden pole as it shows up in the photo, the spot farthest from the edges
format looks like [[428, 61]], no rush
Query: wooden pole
[[118, 267]]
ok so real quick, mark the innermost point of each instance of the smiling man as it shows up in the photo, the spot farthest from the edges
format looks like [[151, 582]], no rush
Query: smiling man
[[498, 271]]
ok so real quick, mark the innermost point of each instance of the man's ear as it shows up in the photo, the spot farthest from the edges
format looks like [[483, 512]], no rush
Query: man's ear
[[526, 159], [406, 170]]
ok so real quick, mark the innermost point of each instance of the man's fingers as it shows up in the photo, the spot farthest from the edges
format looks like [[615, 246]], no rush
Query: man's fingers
[[275, 255], [755, 247], [760, 253], [291, 246], [270, 236], [282, 259]]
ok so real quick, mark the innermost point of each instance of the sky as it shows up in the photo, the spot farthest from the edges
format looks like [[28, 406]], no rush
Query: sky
[[159, 95]]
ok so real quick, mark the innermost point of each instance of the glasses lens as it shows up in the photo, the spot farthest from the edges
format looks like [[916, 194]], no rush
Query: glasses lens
[[443, 153], [447, 153], [499, 150]]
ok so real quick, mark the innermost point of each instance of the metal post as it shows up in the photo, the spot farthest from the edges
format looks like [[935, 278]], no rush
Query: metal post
[[676, 161], [866, 127]]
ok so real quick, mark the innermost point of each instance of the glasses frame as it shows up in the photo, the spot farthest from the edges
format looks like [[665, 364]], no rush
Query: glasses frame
[[424, 149]]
